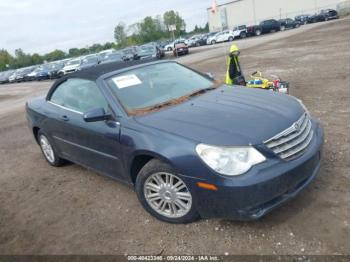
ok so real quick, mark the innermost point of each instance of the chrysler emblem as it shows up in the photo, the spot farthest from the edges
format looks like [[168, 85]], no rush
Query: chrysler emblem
[[296, 127]]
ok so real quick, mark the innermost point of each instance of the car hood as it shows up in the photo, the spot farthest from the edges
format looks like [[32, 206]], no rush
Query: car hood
[[228, 116]]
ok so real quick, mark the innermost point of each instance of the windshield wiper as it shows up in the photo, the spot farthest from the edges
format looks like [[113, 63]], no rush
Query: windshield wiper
[[201, 91]]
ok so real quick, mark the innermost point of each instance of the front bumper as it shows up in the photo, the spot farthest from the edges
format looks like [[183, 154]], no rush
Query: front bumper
[[263, 188]]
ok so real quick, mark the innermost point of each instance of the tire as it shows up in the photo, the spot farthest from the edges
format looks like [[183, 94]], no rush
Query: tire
[[169, 49], [243, 35], [230, 39], [282, 28], [326, 19], [213, 42], [53, 159], [158, 172], [258, 32], [297, 25]]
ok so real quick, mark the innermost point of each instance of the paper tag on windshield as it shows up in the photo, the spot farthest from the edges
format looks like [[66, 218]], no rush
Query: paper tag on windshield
[[126, 81]]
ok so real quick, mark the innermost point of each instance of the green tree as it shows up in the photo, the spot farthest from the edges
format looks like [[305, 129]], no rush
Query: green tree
[[173, 18], [74, 52], [120, 35], [55, 55], [36, 59], [6, 59], [150, 30]]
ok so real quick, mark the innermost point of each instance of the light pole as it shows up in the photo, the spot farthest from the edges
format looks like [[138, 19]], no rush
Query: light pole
[[316, 6], [254, 12]]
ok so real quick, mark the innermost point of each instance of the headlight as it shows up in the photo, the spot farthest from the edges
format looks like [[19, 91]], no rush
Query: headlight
[[230, 161], [303, 106]]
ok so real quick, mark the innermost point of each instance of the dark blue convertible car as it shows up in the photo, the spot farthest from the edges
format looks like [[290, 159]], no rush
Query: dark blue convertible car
[[189, 146]]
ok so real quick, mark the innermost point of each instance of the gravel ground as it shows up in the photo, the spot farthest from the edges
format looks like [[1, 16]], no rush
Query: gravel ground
[[71, 210]]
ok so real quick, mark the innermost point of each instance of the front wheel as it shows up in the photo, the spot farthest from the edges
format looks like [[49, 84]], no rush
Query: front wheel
[[230, 39], [164, 194], [258, 32], [282, 28], [213, 42]]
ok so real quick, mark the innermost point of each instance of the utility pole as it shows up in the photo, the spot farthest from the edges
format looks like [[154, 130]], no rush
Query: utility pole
[[316, 6], [254, 12], [280, 13]]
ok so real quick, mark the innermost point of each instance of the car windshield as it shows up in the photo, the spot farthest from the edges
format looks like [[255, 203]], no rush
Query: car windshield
[[146, 49], [114, 56], [127, 51], [151, 87], [88, 60], [73, 62]]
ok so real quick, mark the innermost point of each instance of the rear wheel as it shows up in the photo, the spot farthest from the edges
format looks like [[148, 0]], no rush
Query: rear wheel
[[230, 39], [164, 194], [48, 150], [213, 42], [282, 28], [169, 49], [243, 35], [258, 32]]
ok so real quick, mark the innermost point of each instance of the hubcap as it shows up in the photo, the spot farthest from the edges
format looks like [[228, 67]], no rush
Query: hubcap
[[168, 195], [47, 149]]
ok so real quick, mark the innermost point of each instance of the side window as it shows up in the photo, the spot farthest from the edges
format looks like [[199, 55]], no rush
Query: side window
[[79, 94]]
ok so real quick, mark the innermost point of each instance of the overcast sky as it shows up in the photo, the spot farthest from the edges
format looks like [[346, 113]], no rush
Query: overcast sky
[[44, 25]]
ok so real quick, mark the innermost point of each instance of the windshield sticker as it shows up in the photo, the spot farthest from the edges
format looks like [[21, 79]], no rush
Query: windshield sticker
[[126, 81]]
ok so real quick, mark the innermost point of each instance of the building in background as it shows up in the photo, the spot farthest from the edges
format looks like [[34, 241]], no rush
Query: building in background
[[249, 12]]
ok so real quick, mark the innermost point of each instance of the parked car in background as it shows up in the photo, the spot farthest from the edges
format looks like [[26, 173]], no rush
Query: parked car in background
[[71, 66], [149, 51], [253, 30], [323, 15], [103, 53], [113, 57], [171, 46], [188, 146], [288, 23], [220, 37], [4, 77], [330, 14], [194, 41], [129, 53], [205, 37], [12, 76], [302, 19], [39, 73], [180, 49], [88, 61], [269, 26], [240, 31], [54, 69], [22, 73]]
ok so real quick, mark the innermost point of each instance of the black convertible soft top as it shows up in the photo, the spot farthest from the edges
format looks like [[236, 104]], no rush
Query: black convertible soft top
[[93, 73]]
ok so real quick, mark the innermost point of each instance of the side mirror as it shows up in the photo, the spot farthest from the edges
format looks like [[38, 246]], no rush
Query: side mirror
[[96, 114], [210, 75]]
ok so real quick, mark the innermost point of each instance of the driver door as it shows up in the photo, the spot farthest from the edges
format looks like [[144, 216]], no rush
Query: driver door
[[95, 144]]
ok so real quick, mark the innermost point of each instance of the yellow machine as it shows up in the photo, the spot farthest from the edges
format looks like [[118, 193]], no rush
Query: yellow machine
[[258, 81]]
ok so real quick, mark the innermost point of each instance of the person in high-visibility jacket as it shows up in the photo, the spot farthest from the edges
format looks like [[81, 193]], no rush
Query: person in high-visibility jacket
[[234, 75]]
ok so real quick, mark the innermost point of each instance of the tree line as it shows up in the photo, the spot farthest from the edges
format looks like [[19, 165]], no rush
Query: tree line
[[149, 29]]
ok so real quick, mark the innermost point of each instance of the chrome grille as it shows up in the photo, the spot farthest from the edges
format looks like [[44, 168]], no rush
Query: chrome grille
[[292, 142]]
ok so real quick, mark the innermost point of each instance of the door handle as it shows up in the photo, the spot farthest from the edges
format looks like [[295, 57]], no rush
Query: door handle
[[65, 118]]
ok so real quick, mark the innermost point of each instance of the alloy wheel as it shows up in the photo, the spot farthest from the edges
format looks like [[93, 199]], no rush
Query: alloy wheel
[[47, 149], [167, 195]]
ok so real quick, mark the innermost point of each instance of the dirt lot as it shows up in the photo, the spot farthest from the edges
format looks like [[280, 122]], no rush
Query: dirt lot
[[71, 210]]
